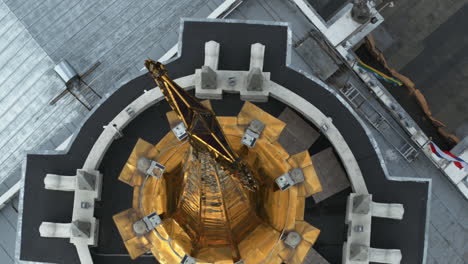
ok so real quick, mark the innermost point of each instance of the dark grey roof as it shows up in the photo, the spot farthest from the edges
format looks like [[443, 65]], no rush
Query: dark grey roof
[[235, 40]]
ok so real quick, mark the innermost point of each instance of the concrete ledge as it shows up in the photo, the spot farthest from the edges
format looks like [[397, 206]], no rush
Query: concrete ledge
[[211, 82], [87, 185], [110, 132], [392, 256], [59, 182], [83, 253], [275, 90], [392, 211], [55, 230], [232, 82], [359, 212]]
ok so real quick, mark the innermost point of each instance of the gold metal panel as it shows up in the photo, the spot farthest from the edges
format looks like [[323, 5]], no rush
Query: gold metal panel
[[124, 221], [207, 104], [301, 190], [215, 255], [285, 254], [154, 196], [307, 231], [264, 242], [311, 183], [135, 245], [300, 160], [169, 152], [274, 207], [300, 207], [272, 160], [162, 250], [232, 131], [182, 240], [228, 123], [277, 205], [275, 260], [130, 174], [309, 235], [164, 255], [258, 244], [252, 158], [250, 112], [136, 195], [300, 253], [279, 151], [279, 246], [213, 207], [236, 144], [168, 141], [253, 256], [173, 119], [291, 220], [279, 209]]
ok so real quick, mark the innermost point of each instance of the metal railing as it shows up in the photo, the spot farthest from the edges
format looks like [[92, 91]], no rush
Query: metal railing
[[379, 122]]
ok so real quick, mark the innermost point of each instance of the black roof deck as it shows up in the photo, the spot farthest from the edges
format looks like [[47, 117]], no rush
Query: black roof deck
[[235, 40]]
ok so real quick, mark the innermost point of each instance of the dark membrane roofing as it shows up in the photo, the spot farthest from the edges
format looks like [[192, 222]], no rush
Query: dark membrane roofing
[[235, 40]]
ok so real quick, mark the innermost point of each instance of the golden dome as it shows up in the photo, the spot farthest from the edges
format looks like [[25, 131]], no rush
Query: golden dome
[[205, 211]]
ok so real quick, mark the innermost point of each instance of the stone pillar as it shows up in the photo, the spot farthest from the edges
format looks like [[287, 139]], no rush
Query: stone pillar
[[257, 54], [86, 181], [208, 78], [55, 230], [255, 80], [359, 212], [60, 183], [391, 211], [212, 54], [81, 229], [392, 256]]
